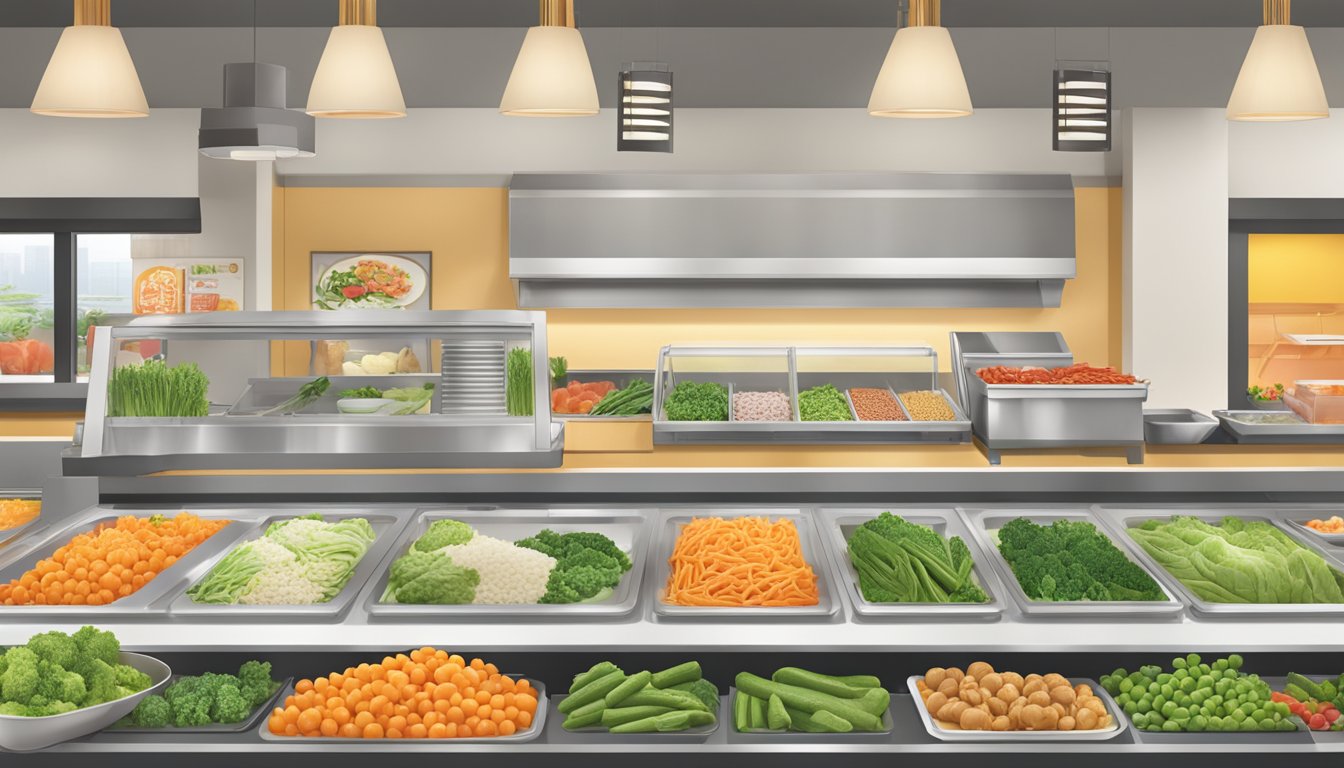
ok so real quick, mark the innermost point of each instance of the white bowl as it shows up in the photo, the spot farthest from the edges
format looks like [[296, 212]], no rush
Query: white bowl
[[25, 734], [363, 406]]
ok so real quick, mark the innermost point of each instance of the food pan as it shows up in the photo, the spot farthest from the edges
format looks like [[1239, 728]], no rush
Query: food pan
[[1299, 524], [827, 605], [520, 737], [146, 600], [1119, 722], [386, 524], [9, 535], [1176, 426], [628, 528], [985, 522], [558, 734], [1125, 518], [840, 524], [1320, 737], [763, 736], [25, 734], [248, 724]]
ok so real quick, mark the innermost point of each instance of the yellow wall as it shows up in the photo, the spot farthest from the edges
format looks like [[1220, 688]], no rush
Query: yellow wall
[[1296, 269], [467, 231]]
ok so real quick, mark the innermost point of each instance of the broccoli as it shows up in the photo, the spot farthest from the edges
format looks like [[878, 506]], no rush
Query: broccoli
[[151, 712], [255, 682], [444, 533], [131, 678], [56, 684], [56, 647], [19, 683], [575, 584], [1071, 560], [101, 680], [95, 644], [430, 578], [586, 564], [229, 705]]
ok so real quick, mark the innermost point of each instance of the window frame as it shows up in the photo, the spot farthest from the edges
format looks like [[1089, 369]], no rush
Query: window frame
[[65, 219]]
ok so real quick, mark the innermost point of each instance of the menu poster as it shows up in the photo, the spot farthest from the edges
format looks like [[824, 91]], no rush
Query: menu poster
[[175, 286]]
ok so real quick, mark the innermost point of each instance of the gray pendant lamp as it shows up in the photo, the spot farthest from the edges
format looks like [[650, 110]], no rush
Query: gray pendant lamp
[[254, 123]]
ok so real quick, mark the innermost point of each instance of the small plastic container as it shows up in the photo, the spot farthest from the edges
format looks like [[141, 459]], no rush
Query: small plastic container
[[1318, 401]]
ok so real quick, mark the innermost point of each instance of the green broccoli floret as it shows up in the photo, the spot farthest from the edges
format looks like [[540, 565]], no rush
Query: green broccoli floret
[[96, 644], [14, 709], [600, 543], [101, 680], [229, 705], [56, 684], [20, 680], [256, 683], [151, 712], [444, 533], [56, 647], [131, 678], [547, 542], [594, 559], [574, 584], [1070, 561], [191, 699], [430, 578], [47, 709]]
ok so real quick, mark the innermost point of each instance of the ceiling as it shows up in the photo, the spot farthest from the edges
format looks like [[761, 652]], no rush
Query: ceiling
[[682, 13]]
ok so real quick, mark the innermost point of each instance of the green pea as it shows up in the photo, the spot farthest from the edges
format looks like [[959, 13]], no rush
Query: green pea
[[1126, 686], [1169, 709], [1171, 726]]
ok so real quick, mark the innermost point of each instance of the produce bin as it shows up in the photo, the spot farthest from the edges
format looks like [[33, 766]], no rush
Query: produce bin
[[556, 733], [1120, 724], [886, 735]]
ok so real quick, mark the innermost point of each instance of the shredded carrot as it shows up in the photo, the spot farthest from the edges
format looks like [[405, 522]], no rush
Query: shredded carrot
[[745, 561]]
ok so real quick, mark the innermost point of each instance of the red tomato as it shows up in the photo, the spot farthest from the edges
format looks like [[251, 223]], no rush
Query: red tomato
[[1317, 722], [353, 291]]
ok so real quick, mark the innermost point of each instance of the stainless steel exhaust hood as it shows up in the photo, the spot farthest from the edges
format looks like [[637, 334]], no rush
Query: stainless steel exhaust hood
[[791, 240]]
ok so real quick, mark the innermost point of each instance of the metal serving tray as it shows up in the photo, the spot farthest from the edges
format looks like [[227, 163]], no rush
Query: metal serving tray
[[1333, 539], [621, 378], [763, 736], [839, 526], [521, 737], [25, 554], [1235, 422], [387, 523], [263, 709], [1119, 720], [599, 735], [1123, 518], [1176, 426], [628, 528], [827, 604], [33, 526], [1320, 737], [982, 522]]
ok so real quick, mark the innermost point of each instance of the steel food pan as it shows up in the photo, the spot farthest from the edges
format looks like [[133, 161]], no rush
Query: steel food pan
[[1177, 426], [1249, 427], [984, 522], [25, 734], [1320, 737], [670, 528], [840, 524], [762, 736], [263, 709], [386, 523], [628, 528], [143, 602], [1125, 518], [1334, 539], [558, 734], [33, 526], [521, 737], [1119, 722]]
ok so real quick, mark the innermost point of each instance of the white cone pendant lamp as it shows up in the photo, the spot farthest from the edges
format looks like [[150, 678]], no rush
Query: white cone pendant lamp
[[355, 76], [91, 73], [1279, 80], [921, 77], [552, 76]]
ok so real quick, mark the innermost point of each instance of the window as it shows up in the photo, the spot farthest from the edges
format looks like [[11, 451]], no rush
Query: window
[[27, 308], [103, 274]]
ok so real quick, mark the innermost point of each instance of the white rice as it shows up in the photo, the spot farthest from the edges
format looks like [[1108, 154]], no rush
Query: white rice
[[510, 575]]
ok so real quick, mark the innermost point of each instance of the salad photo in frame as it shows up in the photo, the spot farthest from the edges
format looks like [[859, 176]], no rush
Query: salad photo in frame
[[352, 280]]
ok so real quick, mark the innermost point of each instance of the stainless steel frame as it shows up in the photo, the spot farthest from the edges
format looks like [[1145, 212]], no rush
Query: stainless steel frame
[[140, 446], [1278, 434]]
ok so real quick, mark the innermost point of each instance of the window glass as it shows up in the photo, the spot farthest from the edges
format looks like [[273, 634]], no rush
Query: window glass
[[104, 275], [27, 299]]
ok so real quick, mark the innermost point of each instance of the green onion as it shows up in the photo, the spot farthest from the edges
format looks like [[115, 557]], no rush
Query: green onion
[[518, 397], [155, 389]]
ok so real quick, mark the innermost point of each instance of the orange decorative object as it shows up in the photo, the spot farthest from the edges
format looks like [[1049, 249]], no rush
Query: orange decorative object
[[158, 291]]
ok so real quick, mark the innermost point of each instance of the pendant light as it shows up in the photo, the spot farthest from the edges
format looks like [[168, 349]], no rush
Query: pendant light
[[1082, 110], [91, 73], [552, 76], [644, 109], [355, 76], [1279, 80], [921, 77]]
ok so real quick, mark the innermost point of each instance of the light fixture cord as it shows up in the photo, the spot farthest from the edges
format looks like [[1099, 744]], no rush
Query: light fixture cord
[[1278, 12]]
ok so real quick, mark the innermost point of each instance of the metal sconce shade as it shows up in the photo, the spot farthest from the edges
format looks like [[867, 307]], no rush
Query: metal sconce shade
[[552, 76], [644, 109], [254, 123], [91, 73], [921, 76], [1082, 110], [355, 77]]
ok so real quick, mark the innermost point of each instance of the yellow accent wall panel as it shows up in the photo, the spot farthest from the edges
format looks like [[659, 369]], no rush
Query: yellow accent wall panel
[[1296, 269]]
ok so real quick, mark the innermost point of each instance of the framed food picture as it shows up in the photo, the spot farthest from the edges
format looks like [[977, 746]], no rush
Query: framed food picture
[[371, 280]]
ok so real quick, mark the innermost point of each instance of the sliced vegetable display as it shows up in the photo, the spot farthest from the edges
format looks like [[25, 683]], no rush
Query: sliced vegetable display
[[983, 699], [303, 561], [427, 694], [1239, 561], [740, 562], [634, 399], [1315, 703], [194, 701], [452, 564], [674, 699], [796, 699], [1196, 697], [903, 562], [823, 403], [1334, 524], [580, 397], [55, 673], [1071, 560], [697, 401], [153, 388]]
